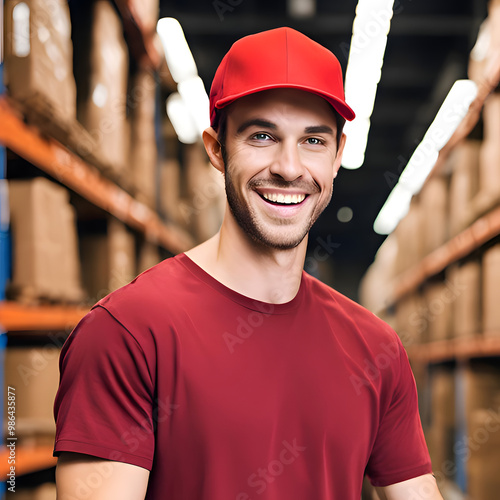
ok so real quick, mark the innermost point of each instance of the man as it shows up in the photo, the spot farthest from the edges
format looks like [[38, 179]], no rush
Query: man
[[227, 372]]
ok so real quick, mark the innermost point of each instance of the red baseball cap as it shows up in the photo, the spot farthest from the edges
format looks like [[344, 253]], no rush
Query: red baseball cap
[[278, 58]]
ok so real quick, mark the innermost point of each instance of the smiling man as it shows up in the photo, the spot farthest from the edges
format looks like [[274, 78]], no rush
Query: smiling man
[[227, 372]]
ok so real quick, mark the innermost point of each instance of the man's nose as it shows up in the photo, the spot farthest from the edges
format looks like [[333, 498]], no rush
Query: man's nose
[[287, 164]]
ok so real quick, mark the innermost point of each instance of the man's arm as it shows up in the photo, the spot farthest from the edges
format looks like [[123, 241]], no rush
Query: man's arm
[[419, 488], [83, 477]]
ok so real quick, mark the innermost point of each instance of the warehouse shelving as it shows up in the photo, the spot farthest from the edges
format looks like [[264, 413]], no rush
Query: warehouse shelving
[[16, 317], [456, 349], [459, 356], [489, 82], [479, 233], [66, 167], [83, 178]]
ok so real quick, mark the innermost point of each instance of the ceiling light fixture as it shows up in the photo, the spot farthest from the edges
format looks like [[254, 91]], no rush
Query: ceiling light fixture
[[364, 68], [422, 161], [188, 110]]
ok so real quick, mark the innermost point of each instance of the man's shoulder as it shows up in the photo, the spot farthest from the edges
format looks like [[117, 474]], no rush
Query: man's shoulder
[[347, 311], [159, 286]]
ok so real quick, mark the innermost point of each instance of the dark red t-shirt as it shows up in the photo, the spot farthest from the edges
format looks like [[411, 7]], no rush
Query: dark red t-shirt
[[223, 397]]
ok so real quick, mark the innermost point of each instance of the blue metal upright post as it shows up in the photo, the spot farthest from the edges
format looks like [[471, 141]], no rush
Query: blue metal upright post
[[4, 247]]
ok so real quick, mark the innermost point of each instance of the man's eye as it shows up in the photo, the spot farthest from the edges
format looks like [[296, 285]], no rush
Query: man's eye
[[261, 136], [314, 140]]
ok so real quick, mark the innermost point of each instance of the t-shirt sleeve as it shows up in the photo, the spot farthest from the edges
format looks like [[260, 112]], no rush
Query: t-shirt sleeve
[[104, 403], [400, 452]]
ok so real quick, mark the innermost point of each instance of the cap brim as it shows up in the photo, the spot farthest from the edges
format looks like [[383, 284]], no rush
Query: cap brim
[[340, 106]]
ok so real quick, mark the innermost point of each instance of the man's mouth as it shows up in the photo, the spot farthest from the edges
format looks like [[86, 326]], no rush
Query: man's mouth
[[283, 199]]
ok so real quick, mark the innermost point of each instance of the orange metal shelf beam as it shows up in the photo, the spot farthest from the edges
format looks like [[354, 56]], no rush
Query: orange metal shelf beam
[[449, 350], [18, 317], [52, 157], [480, 232], [28, 459]]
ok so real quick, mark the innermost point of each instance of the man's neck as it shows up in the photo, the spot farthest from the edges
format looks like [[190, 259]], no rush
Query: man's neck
[[264, 274]]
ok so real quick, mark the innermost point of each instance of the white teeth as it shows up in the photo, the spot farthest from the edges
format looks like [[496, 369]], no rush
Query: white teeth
[[287, 199]]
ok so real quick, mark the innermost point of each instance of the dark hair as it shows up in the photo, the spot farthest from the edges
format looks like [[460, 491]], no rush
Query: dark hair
[[222, 128]]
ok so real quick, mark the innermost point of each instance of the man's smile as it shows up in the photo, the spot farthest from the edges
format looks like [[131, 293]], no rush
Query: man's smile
[[284, 199]]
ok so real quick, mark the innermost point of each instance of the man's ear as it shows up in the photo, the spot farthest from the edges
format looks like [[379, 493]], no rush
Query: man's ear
[[338, 158], [213, 149]]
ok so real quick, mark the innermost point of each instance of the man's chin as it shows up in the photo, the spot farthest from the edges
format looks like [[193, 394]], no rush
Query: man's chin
[[275, 241]]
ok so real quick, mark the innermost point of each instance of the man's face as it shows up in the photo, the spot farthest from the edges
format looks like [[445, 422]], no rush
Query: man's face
[[281, 159]]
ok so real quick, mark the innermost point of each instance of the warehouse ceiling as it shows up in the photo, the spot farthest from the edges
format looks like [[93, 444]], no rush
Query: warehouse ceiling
[[427, 51]]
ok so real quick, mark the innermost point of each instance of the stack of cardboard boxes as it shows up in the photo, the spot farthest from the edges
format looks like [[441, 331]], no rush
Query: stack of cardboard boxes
[[39, 56], [458, 305], [79, 81], [102, 68], [45, 253]]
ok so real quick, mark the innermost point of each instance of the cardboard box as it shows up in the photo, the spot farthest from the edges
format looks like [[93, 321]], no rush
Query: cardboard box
[[170, 188], [489, 162], [144, 154], [39, 54], [411, 320], [376, 288], [483, 476], [45, 252], [463, 184], [437, 299], [149, 256], [202, 207], [482, 385], [108, 260], [34, 374], [409, 236], [466, 306], [491, 291], [441, 433], [434, 206], [102, 88]]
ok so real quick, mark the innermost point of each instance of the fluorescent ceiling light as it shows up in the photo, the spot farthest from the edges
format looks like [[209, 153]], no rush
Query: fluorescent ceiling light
[[395, 208], [188, 109], [195, 96], [364, 68], [179, 58], [183, 123], [483, 42], [357, 137], [422, 161], [451, 112]]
